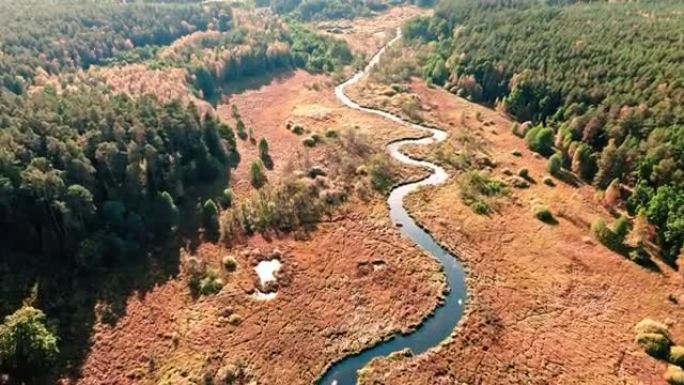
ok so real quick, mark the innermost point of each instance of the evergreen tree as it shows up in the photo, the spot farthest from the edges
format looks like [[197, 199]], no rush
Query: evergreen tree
[[27, 346], [610, 165], [257, 174], [263, 150], [555, 164], [210, 220], [583, 163]]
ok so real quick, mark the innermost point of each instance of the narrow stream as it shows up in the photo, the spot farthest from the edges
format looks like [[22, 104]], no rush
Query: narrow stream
[[438, 326]]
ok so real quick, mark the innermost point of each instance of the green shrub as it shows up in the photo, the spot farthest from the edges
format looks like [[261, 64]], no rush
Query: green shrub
[[540, 140], [674, 375], [516, 153], [257, 174], [548, 181], [382, 174], [474, 185], [621, 228], [263, 149], [210, 219], [544, 214], [602, 233], [240, 127], [226, 198], [654, 344], [331, 134], [515, 129], [211, 283], [524, 173], [229, 263], [309, 141], [298, 129], [480, 207], [555, 164], [676, 355]]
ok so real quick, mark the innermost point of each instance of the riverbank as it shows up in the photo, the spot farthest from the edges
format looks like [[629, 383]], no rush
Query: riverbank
[[547, 304], [441, 323], [343, 286]]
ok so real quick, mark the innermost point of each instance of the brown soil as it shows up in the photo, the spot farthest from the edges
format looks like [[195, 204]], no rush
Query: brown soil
[[331, 301], [307, 100], [353, 281], [546, 304]]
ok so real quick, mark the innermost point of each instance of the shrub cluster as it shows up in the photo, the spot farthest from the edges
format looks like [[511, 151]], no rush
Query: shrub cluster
[[655, 339]]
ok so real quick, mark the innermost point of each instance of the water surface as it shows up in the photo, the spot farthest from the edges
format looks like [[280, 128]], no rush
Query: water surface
[[438, 326]]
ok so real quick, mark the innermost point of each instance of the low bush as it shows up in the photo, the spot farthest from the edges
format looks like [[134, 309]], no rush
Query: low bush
[[229, 263], [226, 198], [621, 228], [257, 174], [540, 140], [203, 280], [612, 237], [676, 355], [648, 325], [480, 207], [602, 233], [555, 164], [382, 173], [674, 375], [210, 284], [234, 319], [475, 185], [298, 129], [548, 181], [331, 134], [544, 214], [654, 344], [309, 141], [524, 173], [517, 182], [516, 153]]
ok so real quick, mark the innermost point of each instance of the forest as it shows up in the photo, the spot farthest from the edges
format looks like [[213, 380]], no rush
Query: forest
[[57, 35], [94, 183], [600, 82], [308, 10]]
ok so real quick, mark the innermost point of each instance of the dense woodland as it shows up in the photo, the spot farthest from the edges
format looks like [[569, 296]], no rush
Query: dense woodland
[[258, 49], [95, 184], [603, 82], [333, 9], [57, 35]]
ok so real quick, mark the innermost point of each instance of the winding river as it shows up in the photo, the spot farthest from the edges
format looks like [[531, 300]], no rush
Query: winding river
[[441, 323]]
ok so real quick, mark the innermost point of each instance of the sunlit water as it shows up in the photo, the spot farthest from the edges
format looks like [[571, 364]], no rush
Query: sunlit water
[[438, 326]]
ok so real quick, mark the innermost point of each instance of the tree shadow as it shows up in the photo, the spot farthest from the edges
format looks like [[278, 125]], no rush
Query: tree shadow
[[568, 178], [268, 162], [75, 298], [253, 82]]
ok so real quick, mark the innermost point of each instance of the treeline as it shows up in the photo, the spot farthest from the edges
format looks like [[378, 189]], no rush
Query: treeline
[[56, 35], [87, 177], [308, 10], [244, 52], [606, 82]]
